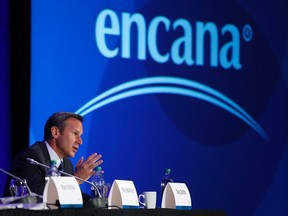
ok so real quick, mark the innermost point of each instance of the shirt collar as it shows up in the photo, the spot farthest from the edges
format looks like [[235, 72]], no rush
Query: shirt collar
[[53, 155]]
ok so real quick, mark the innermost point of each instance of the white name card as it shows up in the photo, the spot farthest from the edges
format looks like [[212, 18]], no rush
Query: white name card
[[65, 189], [176, 196], [123, 194]]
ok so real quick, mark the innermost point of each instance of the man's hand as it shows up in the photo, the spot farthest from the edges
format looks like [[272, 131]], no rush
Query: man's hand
[[84, 169]]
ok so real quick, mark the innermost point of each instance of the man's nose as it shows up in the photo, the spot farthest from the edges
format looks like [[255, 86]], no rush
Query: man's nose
[[80, 140]]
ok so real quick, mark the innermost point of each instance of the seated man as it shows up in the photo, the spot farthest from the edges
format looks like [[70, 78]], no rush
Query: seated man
[[62, 139]]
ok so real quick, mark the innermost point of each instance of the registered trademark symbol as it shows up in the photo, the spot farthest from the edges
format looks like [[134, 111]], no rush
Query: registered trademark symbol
[[247, 33]]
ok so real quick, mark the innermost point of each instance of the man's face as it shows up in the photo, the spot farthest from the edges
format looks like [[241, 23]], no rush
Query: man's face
[[69, 140]]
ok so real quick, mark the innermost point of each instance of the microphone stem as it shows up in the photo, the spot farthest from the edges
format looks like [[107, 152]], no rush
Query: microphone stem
[[95, 187], [31, 161], [21, 180]]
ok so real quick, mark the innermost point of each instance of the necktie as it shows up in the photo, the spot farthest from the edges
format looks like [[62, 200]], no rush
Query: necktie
[[60, 167]]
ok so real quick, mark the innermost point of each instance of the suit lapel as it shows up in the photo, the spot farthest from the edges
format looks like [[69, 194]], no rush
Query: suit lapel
[[46, 155]]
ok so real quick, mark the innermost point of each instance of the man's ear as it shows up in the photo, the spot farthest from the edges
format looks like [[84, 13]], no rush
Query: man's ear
[[55, 131]]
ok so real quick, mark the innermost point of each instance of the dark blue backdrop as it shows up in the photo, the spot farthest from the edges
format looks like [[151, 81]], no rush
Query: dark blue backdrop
[[4, 90], [201, 89]]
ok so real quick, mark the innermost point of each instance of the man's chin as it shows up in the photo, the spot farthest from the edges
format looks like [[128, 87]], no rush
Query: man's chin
[[72, 155]]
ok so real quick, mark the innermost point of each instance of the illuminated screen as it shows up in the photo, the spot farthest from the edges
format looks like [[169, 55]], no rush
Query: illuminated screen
[[197, 87]]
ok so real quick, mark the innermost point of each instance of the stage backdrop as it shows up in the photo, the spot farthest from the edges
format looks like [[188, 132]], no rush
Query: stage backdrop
[[4, 91], [196, 86]]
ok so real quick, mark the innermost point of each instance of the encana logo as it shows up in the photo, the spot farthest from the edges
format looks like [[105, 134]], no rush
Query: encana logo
[[186, 49], [177, 50]]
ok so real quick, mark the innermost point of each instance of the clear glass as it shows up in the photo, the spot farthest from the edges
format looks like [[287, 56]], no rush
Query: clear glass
[[18, 188], [103, 189], [106, 190]]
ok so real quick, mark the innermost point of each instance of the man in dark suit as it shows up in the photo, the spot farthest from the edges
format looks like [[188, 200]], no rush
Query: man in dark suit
[[62, 138]]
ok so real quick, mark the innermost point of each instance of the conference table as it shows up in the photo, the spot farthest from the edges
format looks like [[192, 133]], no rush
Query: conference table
[[110, 212]]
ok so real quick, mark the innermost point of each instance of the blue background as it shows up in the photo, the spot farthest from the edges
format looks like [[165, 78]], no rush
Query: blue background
[[225, 163], [4, 89]]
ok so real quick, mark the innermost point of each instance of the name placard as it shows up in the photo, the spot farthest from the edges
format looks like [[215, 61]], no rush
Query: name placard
[[123, 194], [65, 189], [176, 196]]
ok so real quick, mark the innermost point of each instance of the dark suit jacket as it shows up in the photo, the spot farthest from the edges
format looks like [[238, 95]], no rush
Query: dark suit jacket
[[35, 175]]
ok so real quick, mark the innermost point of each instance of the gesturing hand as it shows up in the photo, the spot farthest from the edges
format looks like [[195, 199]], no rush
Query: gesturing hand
[[84, 168]]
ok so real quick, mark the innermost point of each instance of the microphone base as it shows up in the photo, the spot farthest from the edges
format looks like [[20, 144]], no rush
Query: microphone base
[[27, 199], [98, 202]]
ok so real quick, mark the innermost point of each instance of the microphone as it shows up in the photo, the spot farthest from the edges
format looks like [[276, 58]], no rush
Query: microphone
[[34, 162], [99, 202], [19, 179], [32, 198]]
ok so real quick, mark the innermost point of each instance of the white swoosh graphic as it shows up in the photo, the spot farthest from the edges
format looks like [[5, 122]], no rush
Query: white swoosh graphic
[[203, 92]]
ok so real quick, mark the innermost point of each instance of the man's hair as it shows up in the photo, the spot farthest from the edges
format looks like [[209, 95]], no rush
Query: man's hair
[[58, 119]]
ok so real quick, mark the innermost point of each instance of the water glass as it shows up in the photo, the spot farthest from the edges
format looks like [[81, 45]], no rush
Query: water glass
[[106, 190], [18, 188]]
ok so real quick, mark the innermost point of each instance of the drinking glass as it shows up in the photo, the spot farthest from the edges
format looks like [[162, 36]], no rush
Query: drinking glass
[[106, 190], [18, 188]]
